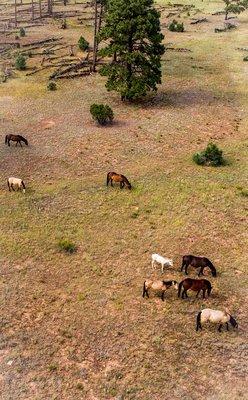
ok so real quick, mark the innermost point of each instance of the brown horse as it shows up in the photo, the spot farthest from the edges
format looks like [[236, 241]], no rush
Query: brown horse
[[113, 176], [197, 262], [15, 138], [196, 285]]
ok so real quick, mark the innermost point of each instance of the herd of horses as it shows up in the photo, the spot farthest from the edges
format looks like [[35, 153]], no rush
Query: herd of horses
[[196, 285]]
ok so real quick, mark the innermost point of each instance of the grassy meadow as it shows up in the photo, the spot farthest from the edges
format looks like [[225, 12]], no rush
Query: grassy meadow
[[75, 326]]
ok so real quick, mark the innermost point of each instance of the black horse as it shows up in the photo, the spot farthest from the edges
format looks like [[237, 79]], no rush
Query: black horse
[[15, 138], [197, 262]]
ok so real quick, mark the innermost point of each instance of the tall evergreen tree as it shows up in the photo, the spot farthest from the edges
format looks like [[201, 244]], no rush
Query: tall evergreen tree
[[132, 28]]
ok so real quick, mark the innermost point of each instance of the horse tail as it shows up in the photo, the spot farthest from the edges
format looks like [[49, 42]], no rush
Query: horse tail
[[180, 288], [198, 321], [212, 268], [144, 289], [6, 139], [108, 178], [209, 287]]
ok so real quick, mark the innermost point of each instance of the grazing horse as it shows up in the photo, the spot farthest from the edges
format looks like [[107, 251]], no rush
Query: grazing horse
[[197, 262], [15, 138], [113, 176], [215, 316], [196, 285], [16, 182], [161, 260], [158, 286]]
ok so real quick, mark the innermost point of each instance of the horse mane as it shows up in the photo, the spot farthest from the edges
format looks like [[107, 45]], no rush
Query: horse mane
[[23, 139], [233, 322], [211, 266], [167, 283]]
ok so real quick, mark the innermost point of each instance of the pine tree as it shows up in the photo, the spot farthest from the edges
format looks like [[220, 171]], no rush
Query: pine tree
[[132, 28]]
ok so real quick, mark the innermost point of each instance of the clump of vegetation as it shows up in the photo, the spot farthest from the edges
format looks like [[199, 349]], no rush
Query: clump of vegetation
[[101, 113], [67, 246], [20, 62], [235, 7], [22, 32], [83, 44], [52, 367], [176, 26], [52, 86], [212, 156], [245, 58]]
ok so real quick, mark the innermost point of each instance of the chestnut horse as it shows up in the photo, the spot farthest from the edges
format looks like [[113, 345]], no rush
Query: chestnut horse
[[196, 285], [113, 176], [15, 138], [197, 262]]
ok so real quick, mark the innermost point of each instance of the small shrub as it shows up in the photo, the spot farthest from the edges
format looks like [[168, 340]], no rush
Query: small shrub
[[20, 62], [212, 156], [102, 113], [52, 86], [67, 246], [52, 367], [22, 32], [176, 26], [245, 58], [83, 44]]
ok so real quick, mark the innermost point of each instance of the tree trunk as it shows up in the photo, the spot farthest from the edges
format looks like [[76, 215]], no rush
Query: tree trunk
[[40, 8], [226, 15], [95, 40], [15, 13], [32, 9]]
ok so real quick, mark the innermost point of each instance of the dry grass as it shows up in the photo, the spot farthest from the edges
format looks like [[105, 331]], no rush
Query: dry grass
[[75, 326]]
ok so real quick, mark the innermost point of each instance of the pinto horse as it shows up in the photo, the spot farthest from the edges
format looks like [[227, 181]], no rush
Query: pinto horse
[[158, 286], [197, 262], [15, 138], [113, 176], [196, 285]]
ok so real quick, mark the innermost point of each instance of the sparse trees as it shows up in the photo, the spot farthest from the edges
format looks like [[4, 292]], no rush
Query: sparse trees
[[235, 7], [132, 28]]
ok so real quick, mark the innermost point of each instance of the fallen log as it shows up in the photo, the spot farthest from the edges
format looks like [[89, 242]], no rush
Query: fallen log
[[179, 49], [39, 42], [199, 21]]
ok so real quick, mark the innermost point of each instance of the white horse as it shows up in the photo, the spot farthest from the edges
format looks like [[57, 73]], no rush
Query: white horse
[[16, 182], [215, 316], [161, 260], [158, 286]]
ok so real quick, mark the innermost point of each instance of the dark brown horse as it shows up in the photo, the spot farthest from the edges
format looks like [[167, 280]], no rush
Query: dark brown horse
[[15, 138], [114, 177], [196, 285], [197, 262]]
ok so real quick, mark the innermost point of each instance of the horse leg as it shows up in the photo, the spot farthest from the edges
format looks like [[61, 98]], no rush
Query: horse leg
[[184, 294], [182, 267], [20, 143], [12, 187], [203, 293], [201, 271], [186, 269], [219, 329], [111, 182], [162, 296], [8, 142], [227, 326], [16, 144], [162, 268], [121, 185], [197, 293]]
